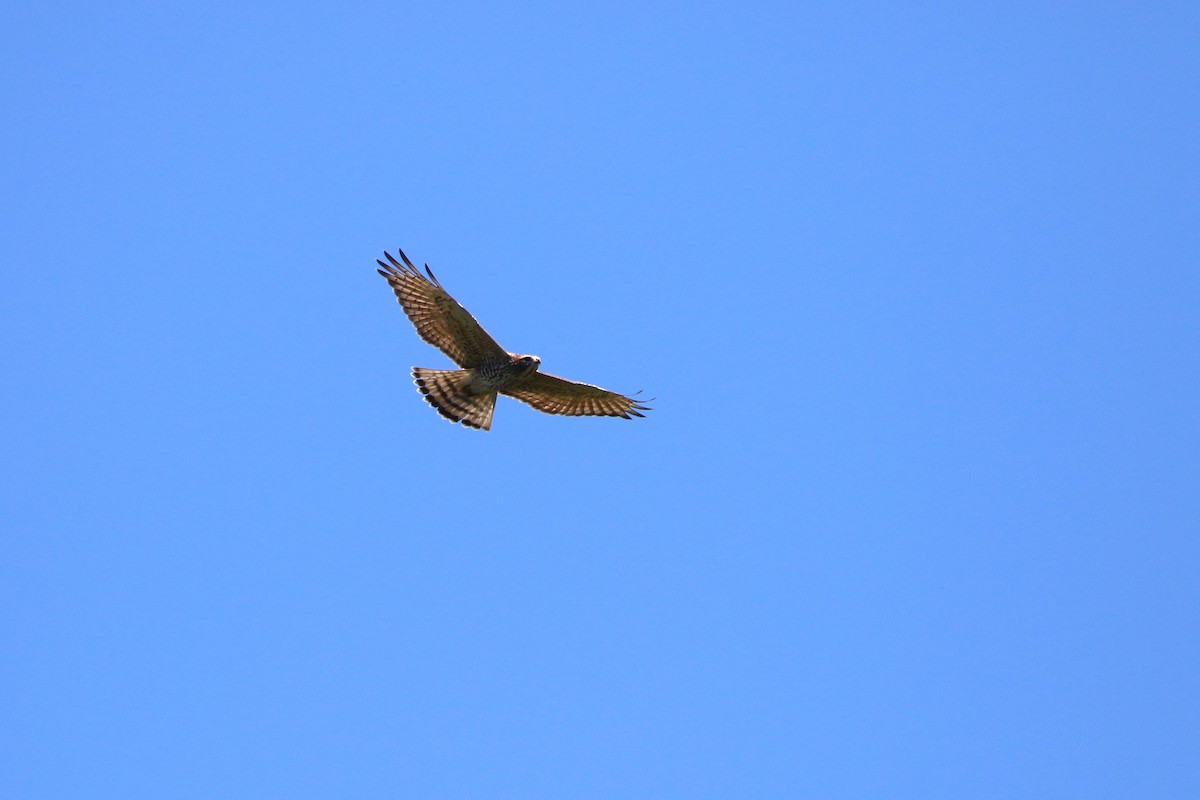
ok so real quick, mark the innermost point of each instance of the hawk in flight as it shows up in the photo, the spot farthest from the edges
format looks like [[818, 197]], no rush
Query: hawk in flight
[[468, 395]]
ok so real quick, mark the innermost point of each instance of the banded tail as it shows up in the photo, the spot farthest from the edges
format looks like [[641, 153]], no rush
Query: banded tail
[[445, 390]]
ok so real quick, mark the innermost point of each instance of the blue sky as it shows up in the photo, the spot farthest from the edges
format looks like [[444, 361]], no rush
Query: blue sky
[[915, 514]]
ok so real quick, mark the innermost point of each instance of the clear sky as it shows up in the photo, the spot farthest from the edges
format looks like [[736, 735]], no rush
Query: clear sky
[[916, 287]]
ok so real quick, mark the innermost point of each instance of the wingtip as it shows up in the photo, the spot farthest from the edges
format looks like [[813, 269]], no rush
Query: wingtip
[[406, 267], [639, 404], [432, 277]]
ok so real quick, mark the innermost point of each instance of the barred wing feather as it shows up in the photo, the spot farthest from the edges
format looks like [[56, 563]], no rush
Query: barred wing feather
[[437, 316], [555, 395]]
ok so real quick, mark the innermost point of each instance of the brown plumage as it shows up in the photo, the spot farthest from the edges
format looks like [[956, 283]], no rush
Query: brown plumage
[[468, 395]]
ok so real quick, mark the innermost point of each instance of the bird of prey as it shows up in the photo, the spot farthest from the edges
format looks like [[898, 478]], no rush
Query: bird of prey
[[468, 395]]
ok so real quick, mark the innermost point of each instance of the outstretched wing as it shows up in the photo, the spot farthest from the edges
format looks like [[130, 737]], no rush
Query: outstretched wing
[[438, 318], [556, 395]]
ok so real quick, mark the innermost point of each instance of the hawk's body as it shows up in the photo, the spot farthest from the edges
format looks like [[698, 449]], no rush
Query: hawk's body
[[468, 395]]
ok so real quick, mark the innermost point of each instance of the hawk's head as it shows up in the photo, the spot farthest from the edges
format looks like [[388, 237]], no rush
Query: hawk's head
[[526, 365]]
